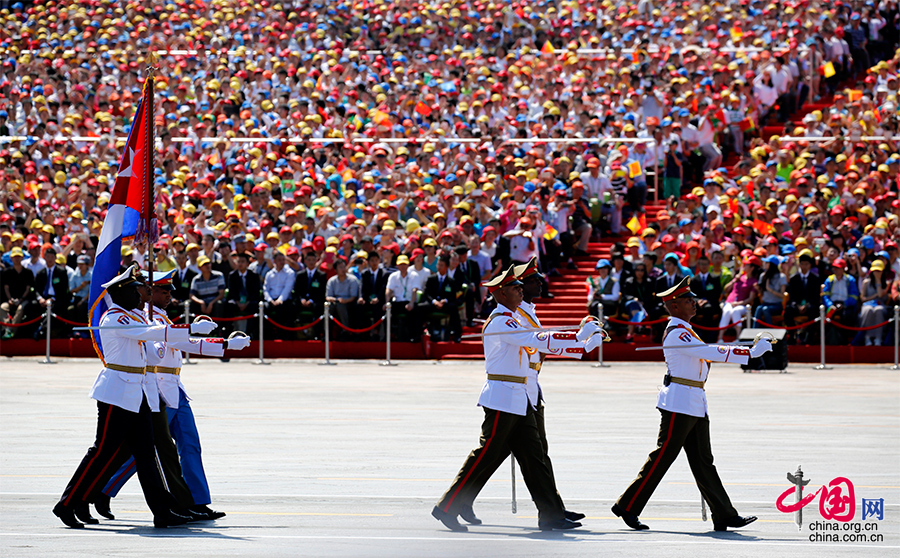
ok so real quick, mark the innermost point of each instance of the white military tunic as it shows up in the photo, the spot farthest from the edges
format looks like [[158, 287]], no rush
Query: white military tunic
[[125, 348], [168, 355], [505, 354], [691, 364], [527, 316]]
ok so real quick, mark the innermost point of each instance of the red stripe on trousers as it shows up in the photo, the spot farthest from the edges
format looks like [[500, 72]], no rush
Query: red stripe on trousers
[[655, 463], [103, 470], [480, 455], [99, 447]]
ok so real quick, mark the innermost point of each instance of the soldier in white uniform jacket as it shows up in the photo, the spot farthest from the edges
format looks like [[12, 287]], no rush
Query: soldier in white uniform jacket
[[509, 398], [685, 423], [125, 397]]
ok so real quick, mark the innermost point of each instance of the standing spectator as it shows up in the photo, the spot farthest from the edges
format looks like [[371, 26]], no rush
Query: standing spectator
[[439, 302], [469, 273], [804, 294], [17, 293], [243, 291], [207, 290], [181, 283], [277, 287], [708, 290], [371, 298], [343, 291], [840, 295], [80, 287], [400, 290], [51, 285], [857, 39]]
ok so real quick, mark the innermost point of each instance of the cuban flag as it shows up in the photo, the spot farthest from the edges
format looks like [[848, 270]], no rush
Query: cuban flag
[[128, 215]]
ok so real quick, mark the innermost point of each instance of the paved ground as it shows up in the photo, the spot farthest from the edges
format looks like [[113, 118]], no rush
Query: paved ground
[[348, 460]]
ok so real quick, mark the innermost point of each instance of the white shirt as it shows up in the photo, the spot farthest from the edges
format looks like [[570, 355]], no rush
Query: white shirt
[[279, 284], [690, 360], [402, 287]]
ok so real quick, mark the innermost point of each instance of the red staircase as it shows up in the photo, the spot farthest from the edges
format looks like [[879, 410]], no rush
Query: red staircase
[[569, 304]]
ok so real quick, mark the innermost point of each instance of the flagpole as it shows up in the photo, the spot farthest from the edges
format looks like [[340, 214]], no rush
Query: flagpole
[[148, 173]]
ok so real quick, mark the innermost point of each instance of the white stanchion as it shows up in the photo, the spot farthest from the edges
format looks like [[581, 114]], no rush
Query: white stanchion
[[896, 365], [262, 321], [387, 319], [187, 320], [327, 319], [48, 315], [600, 363], [822, 320]]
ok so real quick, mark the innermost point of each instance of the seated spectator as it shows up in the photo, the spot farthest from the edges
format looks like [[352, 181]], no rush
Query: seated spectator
[[244, 291], [207, 290], [603, 291], [840, 295], [874, 297], [740, 295], [439, 303], [343, 291], [17, 293], [772, 288], [637, 294], [469, 274]]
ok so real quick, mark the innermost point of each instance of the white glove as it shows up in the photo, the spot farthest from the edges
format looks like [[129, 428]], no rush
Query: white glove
[[203, 327], [593, 341], [587, 330], [762, 347], [238, 341]]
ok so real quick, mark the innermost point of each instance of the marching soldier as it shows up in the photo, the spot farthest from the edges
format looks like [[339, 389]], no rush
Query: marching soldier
[[186, 477], [510, 398], [125, 396], [685, 423], [532, 284]]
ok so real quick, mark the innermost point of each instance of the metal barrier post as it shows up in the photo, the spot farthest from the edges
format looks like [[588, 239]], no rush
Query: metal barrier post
[[387, 319], [600, 363], [327, 319], [749, 319], [896, 365], [187, 320], [656, 182], [821, 365], [262, 320], [48, 315]]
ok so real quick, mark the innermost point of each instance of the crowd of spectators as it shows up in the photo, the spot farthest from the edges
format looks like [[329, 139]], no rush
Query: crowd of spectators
[[308, 196]]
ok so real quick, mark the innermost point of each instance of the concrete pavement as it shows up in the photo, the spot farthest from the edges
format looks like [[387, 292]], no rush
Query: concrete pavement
[[348, 460]]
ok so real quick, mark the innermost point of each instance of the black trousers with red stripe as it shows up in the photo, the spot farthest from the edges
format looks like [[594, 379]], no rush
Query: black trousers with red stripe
[[502, 433], [120, 431], [167, 453], [678, 431], [477, 482]]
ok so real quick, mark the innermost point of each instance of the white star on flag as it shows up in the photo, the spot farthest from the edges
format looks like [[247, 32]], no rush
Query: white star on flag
[[127, 171]]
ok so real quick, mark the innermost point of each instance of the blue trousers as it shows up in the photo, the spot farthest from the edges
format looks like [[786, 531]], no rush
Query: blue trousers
[[187, 440], [765, 312]]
